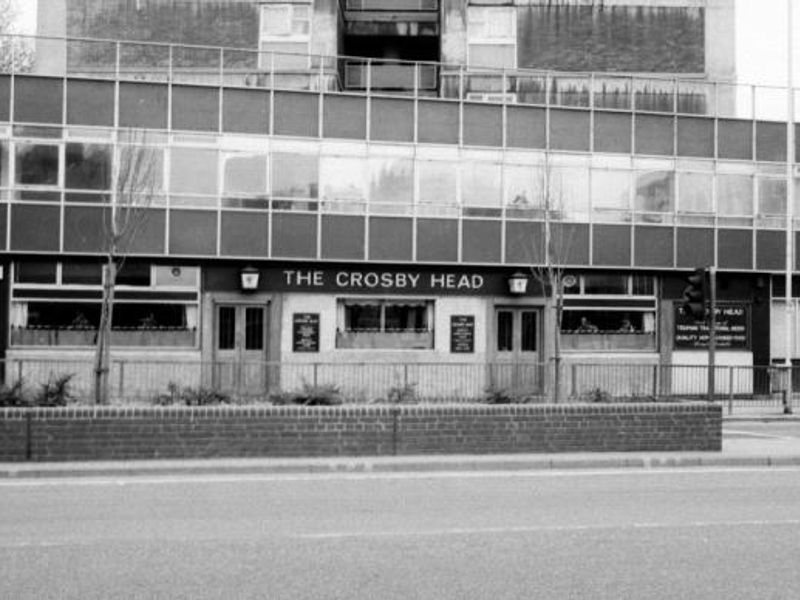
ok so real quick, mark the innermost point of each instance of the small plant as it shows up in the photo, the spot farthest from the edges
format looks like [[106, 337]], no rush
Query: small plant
[[189, 396], [309, 395], [403, 394], [14, 395], [596, 395], [498, 395], [56, 392]]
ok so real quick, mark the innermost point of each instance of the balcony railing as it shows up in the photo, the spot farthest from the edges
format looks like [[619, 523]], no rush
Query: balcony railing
[[206, 65]]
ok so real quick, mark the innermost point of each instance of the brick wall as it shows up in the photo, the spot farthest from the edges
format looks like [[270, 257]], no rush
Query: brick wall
[[109, 433]]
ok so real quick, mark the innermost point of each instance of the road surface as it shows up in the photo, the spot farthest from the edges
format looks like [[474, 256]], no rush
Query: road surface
[[695, 533]]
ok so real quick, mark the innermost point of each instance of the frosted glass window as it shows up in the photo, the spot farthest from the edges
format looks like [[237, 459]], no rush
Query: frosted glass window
[[569, 192], [193, 171], [437, 182], [655, 191], [695, 193], [771, 196], [481, 184], [611, 189], [391, 180], [735, 195], [295, 175], [343, 178], [521, 187], [245, 174]]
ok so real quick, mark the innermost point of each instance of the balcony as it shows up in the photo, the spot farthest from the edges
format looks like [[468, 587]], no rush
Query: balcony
[[375, 75]]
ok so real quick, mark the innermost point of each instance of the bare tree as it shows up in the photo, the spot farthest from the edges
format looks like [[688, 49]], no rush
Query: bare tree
[[16, 52], [135, 181], [547, 264]]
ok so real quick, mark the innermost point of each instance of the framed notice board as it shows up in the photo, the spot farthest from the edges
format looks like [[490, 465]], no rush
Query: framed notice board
[[305, 332], [462, 334]]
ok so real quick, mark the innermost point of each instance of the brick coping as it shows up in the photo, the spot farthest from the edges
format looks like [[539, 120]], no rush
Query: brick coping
[[100, 412]]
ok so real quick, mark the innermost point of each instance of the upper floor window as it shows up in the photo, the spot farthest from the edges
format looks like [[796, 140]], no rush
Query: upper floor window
[[492, 36], [284, 38]]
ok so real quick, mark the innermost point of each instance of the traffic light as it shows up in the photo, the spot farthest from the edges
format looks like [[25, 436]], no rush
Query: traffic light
[[694, 295]]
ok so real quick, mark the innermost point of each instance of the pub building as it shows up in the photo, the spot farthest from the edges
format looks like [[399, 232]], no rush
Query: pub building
[[317, 215]]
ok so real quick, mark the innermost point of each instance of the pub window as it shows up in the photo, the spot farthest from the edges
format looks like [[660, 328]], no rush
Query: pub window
[[44, 312], [385, 323], [610, 329]]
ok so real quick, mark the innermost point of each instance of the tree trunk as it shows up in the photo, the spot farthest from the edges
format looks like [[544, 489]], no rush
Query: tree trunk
[[102, 361]]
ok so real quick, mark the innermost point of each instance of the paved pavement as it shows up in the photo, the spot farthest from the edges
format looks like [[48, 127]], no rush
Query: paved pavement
[[759, 437]]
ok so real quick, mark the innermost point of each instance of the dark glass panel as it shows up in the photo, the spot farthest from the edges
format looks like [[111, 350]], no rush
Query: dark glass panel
[[345, 117], [35, 227], [38, 99], [226, 328], [342, 237], [88, 166], [392, 120], [612, 132], [85, 229], [134, 273], [569, 130], [483, 125], [481, 241], [390, 238], [195, 108], [81, 273], [654, 135], [90, 102], [37, 164], [253, 328], [605, 284], [525, 127], [245, 111], [296, 113], [437, 122], [505, 331], [35, 271], [244, 234], [193, 232], [143, 105], [528, 331]]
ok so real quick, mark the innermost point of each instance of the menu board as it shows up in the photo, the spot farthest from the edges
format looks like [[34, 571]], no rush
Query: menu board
[[732, 328], [462, 333], [305, 332]]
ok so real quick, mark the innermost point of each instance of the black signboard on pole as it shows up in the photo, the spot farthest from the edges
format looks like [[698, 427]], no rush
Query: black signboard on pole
[[462, 334], [305, 332]]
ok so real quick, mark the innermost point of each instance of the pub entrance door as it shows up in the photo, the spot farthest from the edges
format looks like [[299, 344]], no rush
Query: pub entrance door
[[516, 365], [240, 349]]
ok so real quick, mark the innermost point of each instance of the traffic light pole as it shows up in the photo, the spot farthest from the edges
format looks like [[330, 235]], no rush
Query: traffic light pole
[[712, 330]]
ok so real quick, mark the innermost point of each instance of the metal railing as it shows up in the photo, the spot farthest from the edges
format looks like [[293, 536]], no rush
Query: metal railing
[[217, 65], [147, 381]]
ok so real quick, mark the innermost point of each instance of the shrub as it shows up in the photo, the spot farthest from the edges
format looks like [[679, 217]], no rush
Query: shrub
[[189, 396], [55, 392], [309, 395], [595, 395], [14, 395], [402, 394], [499, 395]]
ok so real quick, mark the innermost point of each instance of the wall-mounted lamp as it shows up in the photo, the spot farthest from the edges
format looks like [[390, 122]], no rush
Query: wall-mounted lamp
[[518, 283], [248, 278]]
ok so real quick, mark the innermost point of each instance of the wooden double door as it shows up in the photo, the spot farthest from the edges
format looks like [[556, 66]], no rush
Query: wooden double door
[[517, 356], [241, 331]]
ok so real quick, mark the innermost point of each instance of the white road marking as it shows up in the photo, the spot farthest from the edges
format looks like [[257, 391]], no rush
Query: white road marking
[[659, 471], [545, 529], [756, 435], [440, 532]]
